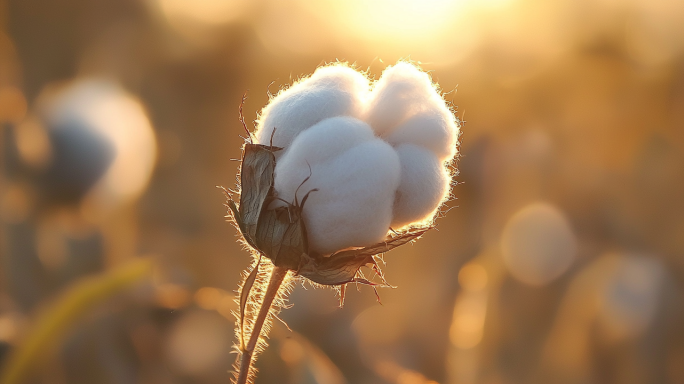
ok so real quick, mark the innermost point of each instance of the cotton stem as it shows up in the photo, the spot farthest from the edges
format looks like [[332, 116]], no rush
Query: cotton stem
[[277, 276]]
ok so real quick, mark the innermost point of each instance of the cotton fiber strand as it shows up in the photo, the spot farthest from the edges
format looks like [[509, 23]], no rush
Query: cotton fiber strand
[[377, 155], [329, 92]]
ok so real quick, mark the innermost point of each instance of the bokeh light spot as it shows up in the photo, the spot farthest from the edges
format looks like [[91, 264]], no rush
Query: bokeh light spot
[[538, 244], [467, 326], [33, 143], [291, 352], [198, 342], [208, 298], [472, 277], [13, 105]]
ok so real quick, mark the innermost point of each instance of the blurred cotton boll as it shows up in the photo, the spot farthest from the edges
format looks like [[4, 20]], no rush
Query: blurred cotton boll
[[538, 244], [630, 297], [101, 142], [619, 302]]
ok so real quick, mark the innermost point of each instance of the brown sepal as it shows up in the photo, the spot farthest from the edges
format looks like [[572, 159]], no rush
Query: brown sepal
[[341, 267]]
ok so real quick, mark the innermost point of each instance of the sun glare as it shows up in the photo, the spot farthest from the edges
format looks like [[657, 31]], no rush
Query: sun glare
[[435, 30], [399, 20], [212, 12]]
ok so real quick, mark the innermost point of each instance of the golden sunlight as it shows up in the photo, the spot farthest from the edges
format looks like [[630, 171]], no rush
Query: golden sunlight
[[436, 30], [399, 20], [212, 12]]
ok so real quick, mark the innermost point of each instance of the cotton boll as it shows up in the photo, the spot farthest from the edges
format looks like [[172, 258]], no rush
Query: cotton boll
[[353, 204], [630, 296], [331, 91], [324, 141], [424, 185], [435, 129], [402, 91]]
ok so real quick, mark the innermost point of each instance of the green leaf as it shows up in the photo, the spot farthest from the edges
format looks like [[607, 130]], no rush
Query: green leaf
[[52, 324]]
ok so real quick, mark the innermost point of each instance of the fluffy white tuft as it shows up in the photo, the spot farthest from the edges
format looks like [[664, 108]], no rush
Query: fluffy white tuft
[[329, 139], [377, 157], [434, 129], [356, 176], [335, 90], [424, 185], [402, 91]]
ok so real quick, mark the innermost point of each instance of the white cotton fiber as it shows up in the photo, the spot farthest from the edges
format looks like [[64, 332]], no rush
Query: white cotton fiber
[[356, 184], [423, 186], [331, 91], [329, 139], [434, 129], [402, 91]]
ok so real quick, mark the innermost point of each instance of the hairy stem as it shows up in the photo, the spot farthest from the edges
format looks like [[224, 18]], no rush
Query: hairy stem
[[277, 276]]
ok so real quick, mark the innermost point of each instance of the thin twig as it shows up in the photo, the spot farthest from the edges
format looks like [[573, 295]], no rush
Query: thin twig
[[242, 118], [277, 277]]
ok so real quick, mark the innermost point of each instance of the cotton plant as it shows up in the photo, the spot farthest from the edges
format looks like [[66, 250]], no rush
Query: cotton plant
[[340, 170]]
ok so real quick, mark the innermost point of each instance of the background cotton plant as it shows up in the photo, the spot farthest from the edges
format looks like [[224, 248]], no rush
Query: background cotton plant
[[342, 169]]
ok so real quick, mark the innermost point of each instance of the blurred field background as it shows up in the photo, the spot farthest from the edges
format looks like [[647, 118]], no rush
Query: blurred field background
[[562, 260]]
